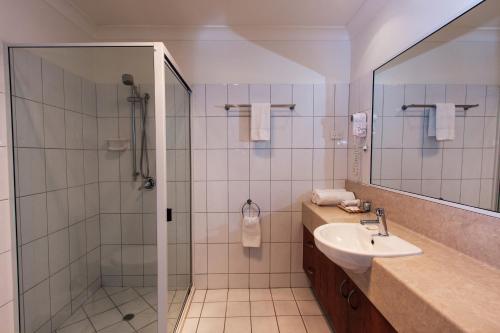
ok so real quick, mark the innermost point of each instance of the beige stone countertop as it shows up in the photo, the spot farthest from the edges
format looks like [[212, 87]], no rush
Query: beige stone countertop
[[441, 290]]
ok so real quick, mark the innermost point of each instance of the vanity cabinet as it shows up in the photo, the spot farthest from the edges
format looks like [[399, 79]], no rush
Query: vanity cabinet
[[348, 309]]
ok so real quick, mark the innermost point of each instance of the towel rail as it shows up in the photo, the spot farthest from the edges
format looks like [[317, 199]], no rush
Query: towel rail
[[461, 106], [229, 106]]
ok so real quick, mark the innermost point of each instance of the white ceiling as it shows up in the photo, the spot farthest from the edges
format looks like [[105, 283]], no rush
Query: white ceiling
[[219, 12]]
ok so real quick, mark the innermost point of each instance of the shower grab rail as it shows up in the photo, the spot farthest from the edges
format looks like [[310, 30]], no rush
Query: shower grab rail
[[229, 106]]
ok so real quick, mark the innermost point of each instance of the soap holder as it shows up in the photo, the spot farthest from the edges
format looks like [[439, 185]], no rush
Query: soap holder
[[118, 144]]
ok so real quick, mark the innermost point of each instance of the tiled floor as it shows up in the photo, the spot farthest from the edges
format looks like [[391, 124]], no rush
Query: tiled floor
[[282, 310], [104, 312]]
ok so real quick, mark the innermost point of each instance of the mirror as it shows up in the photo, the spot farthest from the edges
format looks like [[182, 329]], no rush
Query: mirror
[[448, 151]]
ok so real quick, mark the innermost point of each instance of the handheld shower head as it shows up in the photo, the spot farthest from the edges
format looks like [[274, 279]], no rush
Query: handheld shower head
[[128, 79]]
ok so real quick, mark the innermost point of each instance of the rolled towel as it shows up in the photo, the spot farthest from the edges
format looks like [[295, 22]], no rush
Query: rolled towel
[[250, 231], [351, 203], [331, 196]]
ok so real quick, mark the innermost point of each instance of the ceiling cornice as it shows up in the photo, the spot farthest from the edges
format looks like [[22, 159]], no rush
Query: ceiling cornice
[[187, 32], [213, 33]]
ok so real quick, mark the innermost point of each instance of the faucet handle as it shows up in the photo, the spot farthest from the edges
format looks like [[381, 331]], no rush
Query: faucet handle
[[380, 212]]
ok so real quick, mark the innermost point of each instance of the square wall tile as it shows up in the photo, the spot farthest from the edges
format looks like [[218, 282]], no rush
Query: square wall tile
[[31, 170], [72, 92], [29, 123], [216, 98], [27, 75], [217, 258]]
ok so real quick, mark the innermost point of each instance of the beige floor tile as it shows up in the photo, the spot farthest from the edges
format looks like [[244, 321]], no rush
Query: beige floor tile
[[151, 328], [316, 324], [216, 309], [195, 310], [216, 295], [120, 327], [282, 294], [264, 325], [291, 324], [190, 325], [238, 295], [199, 296], [303, 294], [262, 308], [238, 325], [144, 318], [286, 308], [106, 319], [309, 308], [260, 295], [238, 309], [211, 325]]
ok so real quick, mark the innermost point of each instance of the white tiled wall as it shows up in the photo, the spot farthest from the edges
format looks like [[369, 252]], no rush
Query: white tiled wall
[[127, 212], [56, 191], [228, 169], [404, 157]]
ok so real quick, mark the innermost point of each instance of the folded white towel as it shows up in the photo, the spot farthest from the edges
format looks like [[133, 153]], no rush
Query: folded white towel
[[250, 231], [359, 124], [331, 196], [351, 203], [445, 121], [260, 122]]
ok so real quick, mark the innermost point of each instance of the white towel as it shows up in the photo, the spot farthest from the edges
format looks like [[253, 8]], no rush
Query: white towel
[[351, 203], [260, 122], [359, 124], [331, 196], [250, 231], [445, 121], [431, 124]]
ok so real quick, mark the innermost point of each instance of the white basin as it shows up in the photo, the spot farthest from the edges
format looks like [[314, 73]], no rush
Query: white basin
[[350, 245]]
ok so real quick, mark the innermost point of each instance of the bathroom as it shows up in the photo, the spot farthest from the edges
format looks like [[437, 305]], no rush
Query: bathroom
[[181, 171]]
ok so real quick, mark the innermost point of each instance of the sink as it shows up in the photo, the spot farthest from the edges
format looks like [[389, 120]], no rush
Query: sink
[[353, 246]]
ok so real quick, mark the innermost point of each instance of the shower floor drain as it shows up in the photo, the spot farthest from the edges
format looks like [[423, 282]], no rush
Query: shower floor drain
[[128, 316]]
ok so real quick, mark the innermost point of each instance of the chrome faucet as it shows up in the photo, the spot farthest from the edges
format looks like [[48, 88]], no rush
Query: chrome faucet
[[380, 221]]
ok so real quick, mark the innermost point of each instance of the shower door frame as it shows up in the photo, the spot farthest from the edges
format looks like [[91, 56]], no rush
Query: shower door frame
[[161, 58]]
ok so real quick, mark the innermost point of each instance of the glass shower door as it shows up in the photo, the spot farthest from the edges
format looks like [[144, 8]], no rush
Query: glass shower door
[[178, 196]]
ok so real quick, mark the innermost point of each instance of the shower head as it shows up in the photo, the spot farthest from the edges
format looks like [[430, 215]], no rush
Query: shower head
[[128, 79]]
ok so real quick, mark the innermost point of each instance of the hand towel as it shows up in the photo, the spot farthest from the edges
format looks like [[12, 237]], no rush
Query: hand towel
[[359, 124], [431, 123], [250, 231], [445, 121], [260, 122], [351, 203], [331, 196]]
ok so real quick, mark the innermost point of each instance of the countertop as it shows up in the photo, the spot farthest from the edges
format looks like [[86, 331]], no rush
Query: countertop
[[441, 290]]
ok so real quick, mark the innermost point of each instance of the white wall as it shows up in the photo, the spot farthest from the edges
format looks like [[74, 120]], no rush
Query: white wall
[[20, 21], [250, 55], [375, 39]]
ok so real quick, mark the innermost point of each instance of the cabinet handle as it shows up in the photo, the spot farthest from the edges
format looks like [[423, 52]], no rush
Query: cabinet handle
[[309, 244], [309, 271], [341, 289], [352, 292]]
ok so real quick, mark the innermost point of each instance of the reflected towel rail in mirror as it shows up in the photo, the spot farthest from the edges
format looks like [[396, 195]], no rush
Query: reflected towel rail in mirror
[[229, 106], [461, 106]]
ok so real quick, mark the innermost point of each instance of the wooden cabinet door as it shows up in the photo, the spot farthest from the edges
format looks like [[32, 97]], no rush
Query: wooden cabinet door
[[338, 288], [309, 261], [363, 316]]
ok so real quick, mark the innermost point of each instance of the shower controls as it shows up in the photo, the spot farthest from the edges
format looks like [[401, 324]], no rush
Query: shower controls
[[149, 183]]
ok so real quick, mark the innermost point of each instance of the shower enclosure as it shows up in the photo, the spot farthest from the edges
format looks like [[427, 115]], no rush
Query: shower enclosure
[[101, 167]]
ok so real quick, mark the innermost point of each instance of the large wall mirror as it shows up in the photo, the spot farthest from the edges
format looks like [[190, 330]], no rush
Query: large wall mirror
[[436, 113]]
